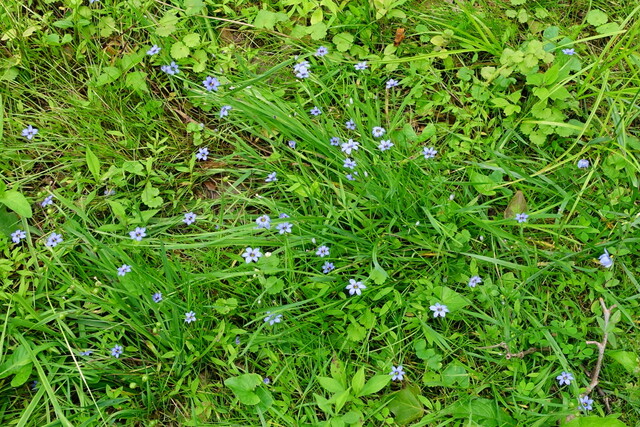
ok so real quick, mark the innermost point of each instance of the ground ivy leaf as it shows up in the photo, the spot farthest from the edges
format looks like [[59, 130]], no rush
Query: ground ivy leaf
[[597, 17], [343, 41], [405, 406], [179, 50]]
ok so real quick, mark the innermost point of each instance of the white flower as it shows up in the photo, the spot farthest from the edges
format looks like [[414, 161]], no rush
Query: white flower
[[605, 259], [189, 218], [273, 318]]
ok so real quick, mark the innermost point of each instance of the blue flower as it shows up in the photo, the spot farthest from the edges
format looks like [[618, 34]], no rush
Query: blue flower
[[522, 217], [157, 297], [202, 153], [138, 233], [302, 69], [351, 125], [86, 353], [211, 83], [283, 215], [154, 50], [335, 141], [171, 69], [321, 51], [263, 222], [109, 192], [378, 131], [327, 267], [224, 111], [361, 66], [124, 269], [116, 351], [315, 111], [474, 281], [585, 403], [351, 176], [348, 163], [583, 163], [385, 144], [273, 318], [18, 235], [252, 254], [397, 374], [569, 51], [292, 144], [47, 201], [392, 83], [349, 146], [237, 341], [355, 287], [266, 380], [271, 177], [53, 240], [322, 251], [190, 317], [605, 259], [34, 385], [565, 378], [438, 309], [429, 152], [189, 218], [29, 132], [284, 227]]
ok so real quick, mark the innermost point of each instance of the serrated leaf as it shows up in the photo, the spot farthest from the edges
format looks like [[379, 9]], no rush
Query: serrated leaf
[[167, 24], [179, 50], [191, 40], [137, 81], [107, 26], [343, 41], [597, 17], [15, 201], [93, 163], [149, 196], [193, 7], [317, 31], [267, 19], [378, 275], [109, 75]]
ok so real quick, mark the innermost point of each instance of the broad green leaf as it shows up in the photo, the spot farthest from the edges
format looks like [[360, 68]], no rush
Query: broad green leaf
[[109, 75], [267, 19], [316, 16], [167, 24], [22, 376], [243, 387], [375, 384], [19, 358], [595, 422], [15, 201], [628, 359], [193, 7], [482, 183], [179, 50], [597, 17], [341, 398], [405, 406], [137, 81], [274, 285], [93, 163], [330, 384], [317, 31], [191, 40], [357, 382], [343, 41], [455, 374], [150, 196], [107, 26]]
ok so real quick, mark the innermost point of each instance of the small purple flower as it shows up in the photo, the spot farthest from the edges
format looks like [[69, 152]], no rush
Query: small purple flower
[[385, 144], [378, 131], [292, 144], [565, 378], [189, 317], [315, 111], [392, 83], [349, 146], [351, 125], [116, 351], [171, 69], [124, 269], [53, 240], [283, 215], [360, 66], [224, 111], [252, 254], [429, 152], [18, 235], [397, 374], [585, 403], [86, 353], [302, 69], [47, 201], [605, 259], [327, 267], [348, 163], [583, 163], [474, 281], [335, 141], [351, 176], [321, 51], [211, 83], [157, 297], [271, 177], [202, 153], [154, 50], [266, 380], [355, 287], [322, 251], [237, 341], [34, 385], [569, 51], [138, 233], [522, 217], [189, 218], [29, 132], [284, 227], [273, 318], [439, 310], [109, 192], [264, 222]]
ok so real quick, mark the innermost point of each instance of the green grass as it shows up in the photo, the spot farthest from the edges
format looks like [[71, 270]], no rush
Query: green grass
[[413, 230]]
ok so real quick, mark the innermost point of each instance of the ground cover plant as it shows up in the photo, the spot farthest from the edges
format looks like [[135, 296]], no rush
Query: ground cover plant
[[314, 212]]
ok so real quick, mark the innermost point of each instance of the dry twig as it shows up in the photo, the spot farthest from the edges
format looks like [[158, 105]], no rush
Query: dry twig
[[606, 312]]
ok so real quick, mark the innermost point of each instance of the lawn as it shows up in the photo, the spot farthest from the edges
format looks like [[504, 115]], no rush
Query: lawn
[[319, 213]]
